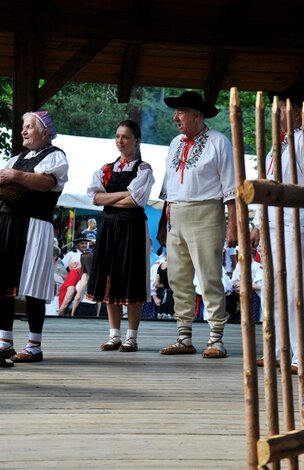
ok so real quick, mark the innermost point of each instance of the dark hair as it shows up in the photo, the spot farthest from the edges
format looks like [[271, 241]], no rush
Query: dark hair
[[86, 259], [134, 127], [131, 125]]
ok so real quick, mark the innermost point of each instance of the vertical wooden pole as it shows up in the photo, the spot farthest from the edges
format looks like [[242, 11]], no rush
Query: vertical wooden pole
[[270, 376], [25, 80], [246, 296], [287, 393], [298, 260]]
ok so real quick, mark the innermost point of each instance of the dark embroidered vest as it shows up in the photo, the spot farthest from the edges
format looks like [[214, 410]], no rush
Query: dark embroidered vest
[[119, 181], [36, 204]]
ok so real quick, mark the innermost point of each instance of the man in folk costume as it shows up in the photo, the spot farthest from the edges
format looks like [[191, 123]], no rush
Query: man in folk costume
[[198, 184], [296, 97], [38, 176]]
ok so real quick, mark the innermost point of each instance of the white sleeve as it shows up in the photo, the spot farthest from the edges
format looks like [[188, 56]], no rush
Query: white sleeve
[[55, 164], [140, 187], [96, 185]]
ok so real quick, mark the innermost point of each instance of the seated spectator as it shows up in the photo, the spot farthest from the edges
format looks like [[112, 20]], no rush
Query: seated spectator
[[81, 305], [164, 292], [68, 289], [229, 260], [232, 299], [80, 246], [90, 233], [60, 273], [257, 279]]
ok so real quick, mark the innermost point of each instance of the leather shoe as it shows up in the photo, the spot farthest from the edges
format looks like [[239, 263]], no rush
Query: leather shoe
[[27, 357], [178, 348], [7, 353], [294, 369], [4, 363], [260, 362], [110, 346]]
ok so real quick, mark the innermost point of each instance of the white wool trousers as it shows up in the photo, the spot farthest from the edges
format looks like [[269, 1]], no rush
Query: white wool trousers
[[195, 240], [290, 281]]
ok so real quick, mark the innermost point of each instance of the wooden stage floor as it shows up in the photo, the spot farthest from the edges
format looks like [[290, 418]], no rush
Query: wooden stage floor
[[85, 409]]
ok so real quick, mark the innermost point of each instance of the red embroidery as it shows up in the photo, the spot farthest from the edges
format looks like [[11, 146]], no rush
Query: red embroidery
[[107, 173], [184, 157]]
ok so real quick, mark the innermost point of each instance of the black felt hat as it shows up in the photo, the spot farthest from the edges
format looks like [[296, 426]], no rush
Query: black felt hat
[[296, 95], [80, 238], [193, 100]]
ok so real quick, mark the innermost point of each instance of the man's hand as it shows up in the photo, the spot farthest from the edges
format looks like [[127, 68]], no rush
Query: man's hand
[[255, 237]]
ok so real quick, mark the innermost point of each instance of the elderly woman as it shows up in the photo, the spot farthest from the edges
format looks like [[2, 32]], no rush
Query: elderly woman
[[30, 186]]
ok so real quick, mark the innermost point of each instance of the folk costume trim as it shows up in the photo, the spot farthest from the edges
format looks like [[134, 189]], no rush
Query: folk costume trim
[[181, 160]]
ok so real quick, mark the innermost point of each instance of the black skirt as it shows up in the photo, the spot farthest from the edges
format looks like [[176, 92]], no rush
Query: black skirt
[[13, 236], [119, 267]]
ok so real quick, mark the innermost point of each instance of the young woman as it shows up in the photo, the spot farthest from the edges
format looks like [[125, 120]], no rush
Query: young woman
[[120, 271]]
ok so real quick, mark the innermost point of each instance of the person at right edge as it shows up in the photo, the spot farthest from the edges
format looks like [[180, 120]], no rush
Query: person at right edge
[[198, 183], [296, 97]]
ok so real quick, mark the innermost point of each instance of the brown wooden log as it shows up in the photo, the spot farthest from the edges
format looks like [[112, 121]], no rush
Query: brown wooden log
[[298, 272], [280, 447], [270, 370], [271, 193], [244, 258]]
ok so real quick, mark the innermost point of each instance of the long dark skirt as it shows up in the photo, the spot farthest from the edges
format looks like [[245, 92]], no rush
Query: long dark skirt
[[119, 267], [13, 236]]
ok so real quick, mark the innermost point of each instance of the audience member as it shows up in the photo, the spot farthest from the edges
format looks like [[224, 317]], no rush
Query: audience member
[[257, 281], [68, 289], [164, 292], [80, 245], [90, 233], [82, 306]]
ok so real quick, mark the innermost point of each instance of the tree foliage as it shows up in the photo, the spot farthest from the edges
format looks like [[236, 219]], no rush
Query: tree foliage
[[92, 110], [6, 115]]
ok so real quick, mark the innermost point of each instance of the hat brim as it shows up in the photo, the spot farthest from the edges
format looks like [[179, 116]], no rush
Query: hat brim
[[78, 240], [205, 107], [296, 97]]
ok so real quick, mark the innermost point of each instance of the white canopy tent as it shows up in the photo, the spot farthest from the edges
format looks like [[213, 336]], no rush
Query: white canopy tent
[[87, 154]]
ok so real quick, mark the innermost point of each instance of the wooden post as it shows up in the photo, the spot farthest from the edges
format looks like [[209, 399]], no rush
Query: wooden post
[[298, 259], [246, 297], [270, 376], [280, 447], [282, 305], [272, 192]]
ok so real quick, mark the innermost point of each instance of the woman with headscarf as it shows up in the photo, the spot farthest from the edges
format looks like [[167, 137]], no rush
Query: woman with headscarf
[[30, 186]]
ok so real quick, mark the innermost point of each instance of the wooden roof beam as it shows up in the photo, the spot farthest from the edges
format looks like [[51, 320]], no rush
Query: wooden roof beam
[[66, 73], [128, 72], [216, 75]]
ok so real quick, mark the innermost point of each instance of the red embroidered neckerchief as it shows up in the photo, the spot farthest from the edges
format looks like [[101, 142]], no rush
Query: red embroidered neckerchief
[[184, 157], [123, 163]]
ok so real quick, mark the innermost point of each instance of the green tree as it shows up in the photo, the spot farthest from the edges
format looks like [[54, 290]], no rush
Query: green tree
[[6, 115]]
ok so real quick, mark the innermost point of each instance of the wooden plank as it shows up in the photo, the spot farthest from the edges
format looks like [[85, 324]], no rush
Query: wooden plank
[[82, 408]]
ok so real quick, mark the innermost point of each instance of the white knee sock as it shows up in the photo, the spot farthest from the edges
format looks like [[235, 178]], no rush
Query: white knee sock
[[131, 336], [6, 335], [115, 335], [34, 343]]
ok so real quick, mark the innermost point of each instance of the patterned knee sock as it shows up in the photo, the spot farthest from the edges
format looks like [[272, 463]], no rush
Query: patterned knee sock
[[216, 335], [185, 333]]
